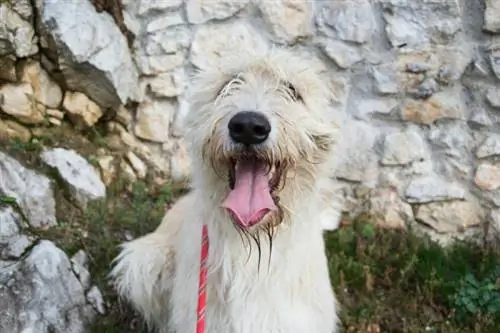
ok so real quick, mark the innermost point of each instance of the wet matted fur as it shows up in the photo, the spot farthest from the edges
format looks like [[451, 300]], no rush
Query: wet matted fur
[[268, 278]]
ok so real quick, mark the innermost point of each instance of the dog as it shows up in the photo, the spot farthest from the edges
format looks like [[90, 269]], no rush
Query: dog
[[261, 146]]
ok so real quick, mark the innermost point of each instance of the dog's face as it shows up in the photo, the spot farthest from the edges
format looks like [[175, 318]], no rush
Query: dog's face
[[259, 134]]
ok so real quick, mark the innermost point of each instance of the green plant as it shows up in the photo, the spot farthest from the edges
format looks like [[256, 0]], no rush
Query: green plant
[[7, 200], [478, 296], [25, 146], [402, 282]]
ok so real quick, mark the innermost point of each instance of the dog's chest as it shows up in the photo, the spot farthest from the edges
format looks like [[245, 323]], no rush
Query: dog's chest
[[289, 297]]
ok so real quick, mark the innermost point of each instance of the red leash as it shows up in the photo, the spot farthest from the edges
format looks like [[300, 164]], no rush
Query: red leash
[[202, 286]]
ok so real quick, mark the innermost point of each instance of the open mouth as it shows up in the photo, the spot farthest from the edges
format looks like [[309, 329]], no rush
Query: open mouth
[[252, 182]]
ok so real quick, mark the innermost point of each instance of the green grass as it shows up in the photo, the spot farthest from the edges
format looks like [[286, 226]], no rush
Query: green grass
[[400, 282]]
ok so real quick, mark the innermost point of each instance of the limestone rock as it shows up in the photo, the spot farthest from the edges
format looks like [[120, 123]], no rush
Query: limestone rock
[[157, 158], [55, 114], [124, 116], [23, 8], [385, 79], [403, 147], [480, 116], [33, 192], [450, 217], [492, 16], [288, 20], [80, 109], [430, 188], [157, 64], [90, 49], [446, 104], [148, 6], [201, 11], [166, 84], [153, 120], [13, 244], [492, 197], [416, 23], [139, 166], [487, 176], [45, 90], [351, 21], [18, 100], [495, 57], [17, 36], [493, 97], [131, 21], [55, 121], [452, 143], [163, 51], [130, 141], [42, 294], [211, 41], [168, 41], [489, 147], [83, 180], [127, 171], [79, 263], [360, 164], [8, 68], [94, 297], [370, 107], [388, 210], [10, 130], [108, 169], [344, 56], [443, 63], [165, 21]]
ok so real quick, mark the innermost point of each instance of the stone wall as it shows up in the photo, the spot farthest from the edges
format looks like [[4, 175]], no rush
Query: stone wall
[[421, 80]]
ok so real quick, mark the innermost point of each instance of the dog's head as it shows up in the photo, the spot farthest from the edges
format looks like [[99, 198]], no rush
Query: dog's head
[[259, 133]]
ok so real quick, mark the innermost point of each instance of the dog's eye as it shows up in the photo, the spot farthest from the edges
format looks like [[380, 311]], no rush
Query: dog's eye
[[293, 91], [232, 82]]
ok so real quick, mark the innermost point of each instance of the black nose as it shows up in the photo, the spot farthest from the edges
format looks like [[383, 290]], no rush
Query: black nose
[[249, 128]]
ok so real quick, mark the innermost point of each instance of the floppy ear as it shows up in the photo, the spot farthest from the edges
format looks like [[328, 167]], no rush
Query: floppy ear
[[323, 141], [324, 136], [204, 86], [326, 130]]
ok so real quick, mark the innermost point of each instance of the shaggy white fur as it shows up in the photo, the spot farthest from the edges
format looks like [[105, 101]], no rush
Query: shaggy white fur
[[268, 278]]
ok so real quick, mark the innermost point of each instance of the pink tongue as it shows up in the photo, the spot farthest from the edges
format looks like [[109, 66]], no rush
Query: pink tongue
[[250, 199]]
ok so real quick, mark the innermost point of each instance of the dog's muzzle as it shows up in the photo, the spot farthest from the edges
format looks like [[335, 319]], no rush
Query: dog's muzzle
[[252, 176]]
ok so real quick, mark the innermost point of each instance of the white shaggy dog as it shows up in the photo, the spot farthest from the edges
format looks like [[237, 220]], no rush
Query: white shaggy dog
[[260, 141]]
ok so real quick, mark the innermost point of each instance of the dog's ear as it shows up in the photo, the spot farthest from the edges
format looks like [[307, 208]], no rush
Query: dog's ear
[[325, 134], [323, 141]]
